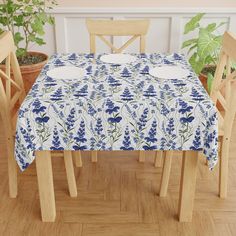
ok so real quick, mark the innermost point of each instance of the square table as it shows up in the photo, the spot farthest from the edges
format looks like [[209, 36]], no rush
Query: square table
[[117, 107]]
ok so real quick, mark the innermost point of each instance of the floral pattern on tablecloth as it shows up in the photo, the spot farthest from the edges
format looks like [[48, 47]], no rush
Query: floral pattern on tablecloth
[[116, 107]]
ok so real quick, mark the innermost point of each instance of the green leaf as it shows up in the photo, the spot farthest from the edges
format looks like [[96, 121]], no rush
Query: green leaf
[[37, 27], [20, 52], [29, 9], [39, 41], [207, 43], [211, 27], [19, 20], [196, 63], [190, 49], [210, 78], [193, 23], [51, 20], [3, 20], [189, 42], [18, 38]]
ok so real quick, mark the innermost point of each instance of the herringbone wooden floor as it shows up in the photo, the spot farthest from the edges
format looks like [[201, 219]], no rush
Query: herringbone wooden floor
[[118, 197]]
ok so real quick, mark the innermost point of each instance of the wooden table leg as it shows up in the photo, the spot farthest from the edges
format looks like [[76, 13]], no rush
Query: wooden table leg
[[77, 158], [12, 168], [166, 173], [187, 185], [70, 173], [94, 156], [45, 183], [159, 158], [141, 156]]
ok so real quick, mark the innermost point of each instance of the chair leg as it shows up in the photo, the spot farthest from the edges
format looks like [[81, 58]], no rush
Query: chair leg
[[166, 173], [70, 173], [187, 186], [12, 168], [141, 156], [224, 165], [94, 156], [45, 183], [159, 158], [77, 158]]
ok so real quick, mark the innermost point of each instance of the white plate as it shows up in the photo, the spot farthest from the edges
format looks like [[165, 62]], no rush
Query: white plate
[[66, 72], [118, 58], [169, 72]]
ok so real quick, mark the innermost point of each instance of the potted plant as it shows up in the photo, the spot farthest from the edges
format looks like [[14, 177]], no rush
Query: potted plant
[[26, 20], [204, 49]]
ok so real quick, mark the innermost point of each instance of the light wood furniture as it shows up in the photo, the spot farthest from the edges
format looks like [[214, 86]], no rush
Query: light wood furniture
[[12, 94], [223, 93], [101, 28], [134, 28], [187, 186]]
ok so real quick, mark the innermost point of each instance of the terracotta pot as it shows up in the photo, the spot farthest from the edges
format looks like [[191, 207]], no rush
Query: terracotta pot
[[203, 79], [30, 72]]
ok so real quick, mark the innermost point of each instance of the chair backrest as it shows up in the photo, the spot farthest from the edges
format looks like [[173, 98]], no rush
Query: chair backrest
[[11, 87], [224, 84], [101, 28]]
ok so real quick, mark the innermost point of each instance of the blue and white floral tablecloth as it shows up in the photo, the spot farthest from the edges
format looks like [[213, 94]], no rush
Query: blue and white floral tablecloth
[[116, 108]]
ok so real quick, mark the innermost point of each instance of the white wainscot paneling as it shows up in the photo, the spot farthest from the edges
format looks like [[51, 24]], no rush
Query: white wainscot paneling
[[165, 32]]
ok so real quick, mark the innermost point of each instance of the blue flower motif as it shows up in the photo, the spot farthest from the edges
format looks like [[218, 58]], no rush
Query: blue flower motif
[[56, 144], [111, 107], [114, 119], [57, 96], [197, 140], [72, 56], [89, 70], [70, 120], [196, 95], [38, 107], [83, 92], [80, 137], [113, 82], [170, 127], [127, 96], [91, 110], [177, 57], [186, 119], [152, 133], [145, 70], [164, 109], [125, 73], [143, 119], [151, 138], [150, 92], [99, 128], [126, 142], [184, 107], [58, 62]]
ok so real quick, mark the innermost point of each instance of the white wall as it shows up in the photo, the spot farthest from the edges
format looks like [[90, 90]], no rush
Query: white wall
[[165, 33], [147, 3]]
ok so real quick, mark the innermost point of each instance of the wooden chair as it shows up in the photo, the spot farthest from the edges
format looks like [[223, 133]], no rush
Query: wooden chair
[[134, 28], [12, 94], [224, 93]]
